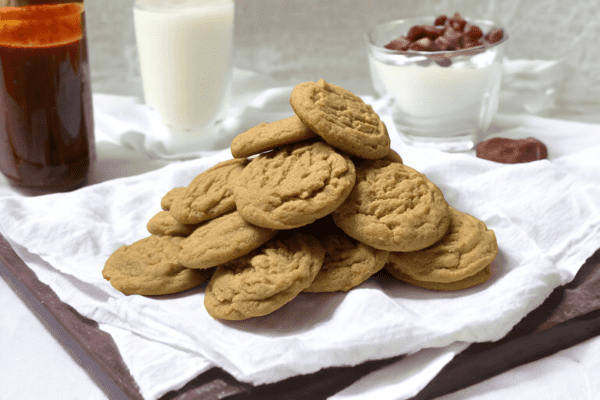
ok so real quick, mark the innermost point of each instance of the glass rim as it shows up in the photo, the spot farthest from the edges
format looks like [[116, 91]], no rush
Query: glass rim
[[433, 54]]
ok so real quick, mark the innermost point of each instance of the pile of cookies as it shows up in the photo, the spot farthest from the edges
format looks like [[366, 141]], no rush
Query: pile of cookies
[[317, 202]]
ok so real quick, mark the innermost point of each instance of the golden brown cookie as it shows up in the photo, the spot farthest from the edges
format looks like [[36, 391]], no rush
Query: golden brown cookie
[[393, 207], [470, 281], [164, 224], [347, 263], [393, 157], [149, 267], [265, 137], [266, 279], [209, 195], [341, 118], [220, 240], [168, 199], [467, 247], [294, 186]]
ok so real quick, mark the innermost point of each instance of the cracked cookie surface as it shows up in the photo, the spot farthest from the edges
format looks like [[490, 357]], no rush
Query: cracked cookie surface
[[393, 207], [266, 279], [341, 118], [467, 247], [164, 224], [268, 136], [167, 201], [294, 185], [149, 267], [210, 194], [347, 263], [220, 240]]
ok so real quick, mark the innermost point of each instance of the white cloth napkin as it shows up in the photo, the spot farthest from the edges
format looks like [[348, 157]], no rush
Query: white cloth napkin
[[403, 379], [545, 214], [132, 125]]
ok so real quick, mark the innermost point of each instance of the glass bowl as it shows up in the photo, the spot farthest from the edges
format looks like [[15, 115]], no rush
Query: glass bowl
[[439, 99]]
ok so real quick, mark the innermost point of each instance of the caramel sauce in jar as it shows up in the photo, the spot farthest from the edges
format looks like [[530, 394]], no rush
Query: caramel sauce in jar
[[46, 122]]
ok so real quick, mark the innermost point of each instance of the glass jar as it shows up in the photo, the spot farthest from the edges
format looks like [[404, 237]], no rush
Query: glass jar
[[46, 122]]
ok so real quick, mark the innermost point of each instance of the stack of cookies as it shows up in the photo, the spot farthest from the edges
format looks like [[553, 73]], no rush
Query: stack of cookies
[[317, 202]]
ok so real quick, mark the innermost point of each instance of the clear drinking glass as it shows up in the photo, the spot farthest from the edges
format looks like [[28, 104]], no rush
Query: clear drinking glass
[[184, 49], [440, 99], [46, 122]]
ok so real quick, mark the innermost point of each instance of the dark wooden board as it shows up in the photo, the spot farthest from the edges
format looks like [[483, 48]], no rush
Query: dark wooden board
[[569, 316]]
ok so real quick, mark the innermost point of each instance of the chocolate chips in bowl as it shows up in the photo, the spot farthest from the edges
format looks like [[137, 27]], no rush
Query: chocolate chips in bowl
[[441, 75], [446, 34]]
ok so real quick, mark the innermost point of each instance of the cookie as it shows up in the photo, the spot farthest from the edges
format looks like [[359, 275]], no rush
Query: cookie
[[265, 137], [470, 281], [209, 195], [347, 263], [294, 185], [467, 247], [220, 240], [266, 279], [164, 224], [393, 207], [167, 201], [393, 157], [341, 118], [149, 267]]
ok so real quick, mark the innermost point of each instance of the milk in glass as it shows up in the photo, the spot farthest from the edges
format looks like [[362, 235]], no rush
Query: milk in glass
[[184, 50]]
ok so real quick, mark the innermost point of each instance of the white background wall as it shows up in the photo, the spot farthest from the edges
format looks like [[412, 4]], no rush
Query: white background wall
[[298, 40]]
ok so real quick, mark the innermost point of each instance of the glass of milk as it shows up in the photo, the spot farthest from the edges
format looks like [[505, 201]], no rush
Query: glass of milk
[[184, 49], [439, 99]]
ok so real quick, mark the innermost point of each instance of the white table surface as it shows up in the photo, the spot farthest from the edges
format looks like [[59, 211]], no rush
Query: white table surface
[[38, 359]]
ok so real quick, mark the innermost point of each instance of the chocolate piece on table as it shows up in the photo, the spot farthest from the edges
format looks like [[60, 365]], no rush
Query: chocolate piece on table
[[512, 151]]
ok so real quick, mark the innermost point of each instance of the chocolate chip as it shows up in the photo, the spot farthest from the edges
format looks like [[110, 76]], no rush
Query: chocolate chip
[[440, 20], [466, 42], [441, 44], [453, 36], [457, 22], [421, 44], [444, 62], [401, 44], [446, 34], [473, 32], [432, 32], [415, 33], [495, 35], [468, 45]]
